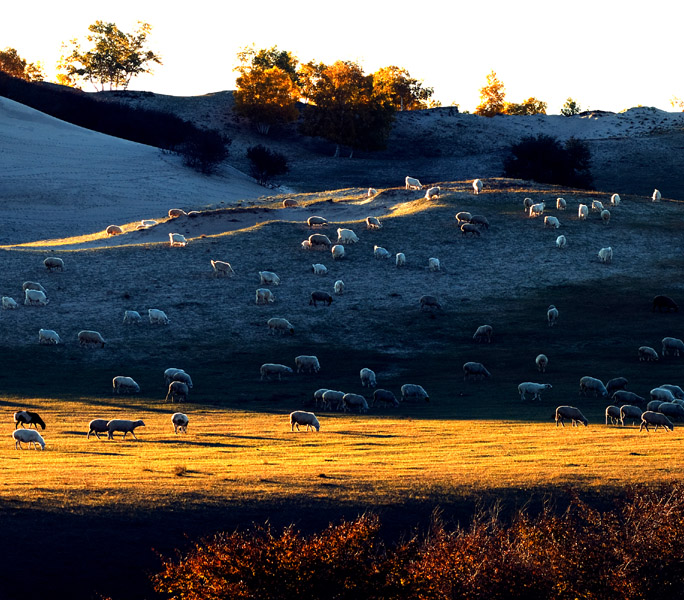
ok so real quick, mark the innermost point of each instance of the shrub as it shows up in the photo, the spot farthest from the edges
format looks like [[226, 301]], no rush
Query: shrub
[[204, 150], [265, 163]]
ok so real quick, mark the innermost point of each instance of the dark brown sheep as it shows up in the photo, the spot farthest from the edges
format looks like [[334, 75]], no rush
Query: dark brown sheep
[[320, 297]]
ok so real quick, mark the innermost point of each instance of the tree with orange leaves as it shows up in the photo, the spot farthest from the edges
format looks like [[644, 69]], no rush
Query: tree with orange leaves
[[492, 97]]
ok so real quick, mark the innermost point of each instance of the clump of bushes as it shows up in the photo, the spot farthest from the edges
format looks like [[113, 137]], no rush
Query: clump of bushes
[[265, 163]]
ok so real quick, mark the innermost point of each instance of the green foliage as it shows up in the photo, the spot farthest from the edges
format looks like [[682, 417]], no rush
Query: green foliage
[[570, 108], [267, 58], [265, 163], [531, 106], [403, 91], [14, 65], [546, 160], [492, 97]]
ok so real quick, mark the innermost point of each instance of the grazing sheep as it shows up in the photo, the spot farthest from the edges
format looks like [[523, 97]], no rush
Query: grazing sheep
[[346, 236], [480, 221], [123, 425], [323, 297], [182, 376], [656, 197], [625, 397], [572, 413], [552, 222], [582, 212], [333, 398], [654, 404], [400, 259], [385, 397], [677, 392], [289, 203], [615, 200], [380, 252], [354, 401], [300, 417], [467, 228], [605, 255], [316, 221], [542, 362], [629, 411], [147, 223], [373, 223], [413, 184], [170, 373], [429, 302], [28, 436], [529, 387], [264, 296], [432, 192], [32, 285], [131, 316], [536, 210], [337, 251], [433, 264], [605, 216], [9, 303], [97, 426], [463, 217], [318, 397], [180, 422], [125, 385], [477, 186], [114, 230], [657, 419], [177, 240], [527, 203], [222, 268], [367, 378], [672, 409], [371, 192], [52, 262], [661, 394], [27, 417], [339, 287], [268, 278], [35, 298], [277, 324], [483, 334], [592, 386], [612, 413], [307, 364], [596, 206], [561, 242], [177, 392], [672, 347], [659, 302], [319, 241], [174, 213], [561, 204], [90, 338], [413, 391], [48, 336], [646, 353], [157, 317], [319, 269], [268, 370], [552, 315], [476, 371], [615, 384]]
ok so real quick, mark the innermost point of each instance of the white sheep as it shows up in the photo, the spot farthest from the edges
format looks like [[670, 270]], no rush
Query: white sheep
[[648, 354], [674, 410], [662, 394], [413, 391], [413, 184], [32, 285], [290, 202], [625, 397], [467, 228], [157, 317], [319, 269], [612, 414], [371, 192], [536, 210], [97, 426], [653, 405], [677, 392], [52, 262], [48, 336], [339, 287], [529, 387], [319, 241], [385, 396], [27, 436], [178, 391], [177, 240], [123, 425], [480, 221], [35, 298], [527, 202], [264, 296], [170, 372], [592, 386], [572, 413], [90, 338], [542, 362], [433, 264], [147, 223], [131, 316], [333, 398], [552, 315], [561, 204], [337, 251], [476, 371], [380, 252], [180, 422], [300, 417], [605, 255], [477, 186], [596, 206], [174, 213], [463, 217], [656, 196], [367, 378], [280, 325], [400, 259], [308, 364], [268, 278], [9, 303], [483, 334], [346, 236], [672, 346], [316, 221], [657, 419], [629, 411], [222, 268], [429, 302], [373, 223], [318, 397], [271, 369], [615, 200], [125, 385], [552, 222], [113, 230], [605, 216], [432, 192], [306, 245], [354, 401], [561, 242], [582, 212], [182, 376]]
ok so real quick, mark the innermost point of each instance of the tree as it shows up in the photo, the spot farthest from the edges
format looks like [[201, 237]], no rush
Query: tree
[[677, 103], [491, 97], [570, 108], [531, 106], [404, 92], [14, 65], [114, 59], [266, 163], [267, 58]]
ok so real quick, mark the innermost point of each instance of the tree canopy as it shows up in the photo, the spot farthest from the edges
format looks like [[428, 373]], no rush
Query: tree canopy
[[14, 65], [492, 97], [531, 106], [570, 108], [403, 91]]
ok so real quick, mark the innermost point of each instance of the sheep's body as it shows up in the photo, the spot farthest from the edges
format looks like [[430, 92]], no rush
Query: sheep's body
[[476, 371], [480, 220], [371, 192], [169, 374], [114, 230], [552, 315], [529, 387], [483, 334], [125, 385], [552, 222], [605, 216], [323, 297], [279, 325], [269, 370], [615, 200], [463, 217], [385, 397], [123, 425], [316, 221], [561, 204], [337, 251], [9, 303], [400, 259], [380, 252], [582, 212], [319, 269], [222, 268], [264, 296], [177, 240], [661, 394], [28, 417], [346, 236], [268, 278], [672, 410], [648, 354], [53, 263], [605, 255], [147, 223], [477, 186], [290, 202], [467, 228], [413, 184], [664, 303], [333, 398], [182, 376], [28, 436], [527, 203], [429, 302], [672, 346], [612, 415], [561, 241], [177, 392], [536, 210], [542, 362], [32, 285], [625, 397], [48, 336], [318, 240], [318, 398], [157, 317], [367, 378], [657, 419], [373, 223], [180, 422], [307, 364], [432, 192], [413, 391], [354, 401], [596, 206], [615, 384], [131, 317], [97, 426], [339, 287], [629, 411], [87, 338], [433, 264], [677, 392], [174, 213], [570, 412], [656, 197], [590, 386], [35, 298], [301, 417]]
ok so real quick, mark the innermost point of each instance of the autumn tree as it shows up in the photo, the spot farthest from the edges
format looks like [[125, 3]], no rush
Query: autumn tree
[[14, 65], [267, 58], [114, 58], [531, 106], [403, 91], [570, 108], [492, 97]]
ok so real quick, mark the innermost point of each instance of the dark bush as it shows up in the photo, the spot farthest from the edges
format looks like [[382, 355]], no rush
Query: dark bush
[[265, 163], [204, 150], [545, 160]]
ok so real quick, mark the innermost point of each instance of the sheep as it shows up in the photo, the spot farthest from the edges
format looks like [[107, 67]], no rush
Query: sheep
[[612, 413], [572, 413], [592, 386], [290, 202], [561, 241], [323, 297], [147, 223], [319, 269], [551, 222], [339, 287], [380, 252], [629, 411], [346, 236], [542, 362], [433, 264], [268, 278], [371, 192], [413, 184], [661, 394], [307, 364], [605, 216], [351, 401], [527, 203], [178, 391], [97, 426], [373, 223], [174, 213], [125, 385], [596, 206], [654, 404], [48, 336], [475, 370], [35, 298], [536, 210], [480, 221], [9, 303], [672, 346], [333, 398], [300, 417], [467, 228], [123, 425], [316, 221], [561, 204], [337, 251], [625, 397], [656, 197], [182, 376], [319, 241], [646, 353], [477, 186], [659, 302], [131, 317], [529, 387], [582, 212], [222, 268], [180, 422], [194, 213], [432, 192], [28, 436], [113, 230], [615, 384], [400, 259], [483, 334], [264, 296], [657, 419], [413, 391], [52, 262], [27, 417], [318, 397], [169, 374], [177, 240], [367, 378], [32, 285], [90, 338], [463, 217], [672, 409], [157, 317], [269, 369], [677, 392], [429, 302], [615, 200], [552, 315], [385, 396], [280, 325]]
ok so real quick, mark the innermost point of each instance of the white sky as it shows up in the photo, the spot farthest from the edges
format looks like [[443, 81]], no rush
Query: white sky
[[605, 54]]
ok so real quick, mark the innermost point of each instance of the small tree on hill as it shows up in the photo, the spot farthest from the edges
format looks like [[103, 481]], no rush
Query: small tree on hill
[[531, 106], [266, 164], [14, 65], [570, 108], [403, 91], [492, 97]]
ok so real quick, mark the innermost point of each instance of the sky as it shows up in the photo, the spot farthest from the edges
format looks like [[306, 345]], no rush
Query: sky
[[605, 54]]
